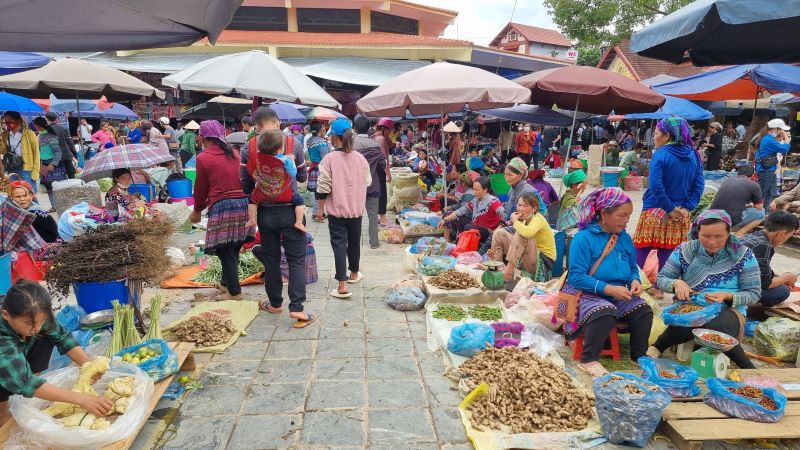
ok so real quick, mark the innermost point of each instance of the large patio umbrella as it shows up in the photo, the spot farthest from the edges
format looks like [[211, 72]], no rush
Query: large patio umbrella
[[290, 112], [748, 81], [530, 114], [13, 62], [441, 88], [320, 113], [130, 156], [219, 107], [254, 73], [110, 25], [59, 105], [117, 111], [723, 32], [675, 106], [11, 102]]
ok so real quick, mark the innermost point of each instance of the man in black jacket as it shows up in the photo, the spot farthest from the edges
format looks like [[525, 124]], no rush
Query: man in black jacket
[[65, 142], [371, 150]]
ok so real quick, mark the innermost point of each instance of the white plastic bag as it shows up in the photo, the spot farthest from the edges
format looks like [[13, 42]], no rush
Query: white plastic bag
[[178, 213], [75, 182], [42, 431], [176, 257], [539, 339]]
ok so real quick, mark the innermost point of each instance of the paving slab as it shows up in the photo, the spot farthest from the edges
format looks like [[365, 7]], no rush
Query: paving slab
[[341, 348], [234, 373], [389, 347], [283, 371], [447, 423], [275, 398], [400, 426], [290, 349], [266, 431], [214, 401], [388, 330], [243, 351], [396, 393], [209, 432], [337, 395], [326, 429], [395, 368], [340, 369]]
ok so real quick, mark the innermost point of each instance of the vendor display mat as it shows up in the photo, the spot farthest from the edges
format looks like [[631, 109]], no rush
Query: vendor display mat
[[183, 279], [241, 314], [184, 350], [688, 422]]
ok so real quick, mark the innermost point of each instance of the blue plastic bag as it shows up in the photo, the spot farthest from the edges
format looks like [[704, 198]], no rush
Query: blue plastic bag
[[434, 265], [70, 317], [725, 401], [682, 386], [627, 417], [406, 298], [164, 364], [692, 319], [470, 338], [750, 327]]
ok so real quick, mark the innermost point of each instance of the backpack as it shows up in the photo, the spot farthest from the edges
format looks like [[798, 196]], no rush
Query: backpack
[[271, 182]]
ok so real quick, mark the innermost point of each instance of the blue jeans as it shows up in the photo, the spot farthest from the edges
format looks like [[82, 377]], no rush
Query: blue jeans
[[26, 175], [773, 296], [750, 215], [769, 186]]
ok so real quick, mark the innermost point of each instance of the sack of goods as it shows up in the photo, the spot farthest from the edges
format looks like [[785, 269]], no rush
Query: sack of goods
[[778, 337], [629, 408], [744, 401], [470, 338], [678, 380], [689, 314], [154, 356], [406, 298], [434, 265], [68, 193]]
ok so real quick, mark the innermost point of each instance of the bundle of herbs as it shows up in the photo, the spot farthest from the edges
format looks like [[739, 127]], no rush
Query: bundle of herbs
[[249, 265], [134, 251], [124, 334]]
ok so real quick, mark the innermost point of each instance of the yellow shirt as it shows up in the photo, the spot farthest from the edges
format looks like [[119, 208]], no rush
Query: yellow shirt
[[538, 229]]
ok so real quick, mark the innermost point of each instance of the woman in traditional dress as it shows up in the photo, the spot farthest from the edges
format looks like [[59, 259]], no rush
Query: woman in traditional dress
[[602, 268], [713, 267]]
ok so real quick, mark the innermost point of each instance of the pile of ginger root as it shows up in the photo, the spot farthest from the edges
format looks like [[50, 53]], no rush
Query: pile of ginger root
[[527, 394]]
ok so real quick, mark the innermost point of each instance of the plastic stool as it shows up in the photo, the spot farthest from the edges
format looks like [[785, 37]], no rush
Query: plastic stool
[[613, 352]]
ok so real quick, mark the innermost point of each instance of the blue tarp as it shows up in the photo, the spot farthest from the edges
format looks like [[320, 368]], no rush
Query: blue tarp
[[735, 82], [11, 102], [723, 32], [675, 106], [13, 62], [530, 114]]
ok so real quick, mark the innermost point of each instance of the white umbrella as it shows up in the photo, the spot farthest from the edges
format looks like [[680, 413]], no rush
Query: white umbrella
[[253, 73]]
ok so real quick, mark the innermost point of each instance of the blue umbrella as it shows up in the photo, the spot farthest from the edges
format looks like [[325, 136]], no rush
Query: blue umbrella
[[70, 105], [530, 114], [11, 102], [115, 112], [722, 32], [289, 112], [13, 62], [675, 106], [737, 82]]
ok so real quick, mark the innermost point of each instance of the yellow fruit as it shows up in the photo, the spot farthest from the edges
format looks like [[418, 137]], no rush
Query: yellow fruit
[[142, 351], [151, 353], [136, 361], [183, 380], [126, 357]]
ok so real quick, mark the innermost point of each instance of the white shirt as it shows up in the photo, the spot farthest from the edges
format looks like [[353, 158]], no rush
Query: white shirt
[[740, 132], [14, 141], [86, 132]]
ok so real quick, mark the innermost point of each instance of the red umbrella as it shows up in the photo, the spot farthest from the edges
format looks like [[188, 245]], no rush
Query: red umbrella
[[590, 90]]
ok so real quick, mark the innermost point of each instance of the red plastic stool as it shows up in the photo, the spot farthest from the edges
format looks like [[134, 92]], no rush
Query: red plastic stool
[[613, 352]]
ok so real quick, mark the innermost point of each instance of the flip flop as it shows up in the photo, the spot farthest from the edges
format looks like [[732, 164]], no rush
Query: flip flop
[[304, 323], [265, 306], [359, 276], [337, 294]]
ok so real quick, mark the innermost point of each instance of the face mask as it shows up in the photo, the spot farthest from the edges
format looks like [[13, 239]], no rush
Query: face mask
[[527, 129], [12, 126], [124, 187], [773, 133]]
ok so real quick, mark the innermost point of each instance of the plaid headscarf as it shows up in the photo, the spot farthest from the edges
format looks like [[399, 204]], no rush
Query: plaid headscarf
[[21, 184], [677, 129], [597, 201], [536, 174], [705, 215], [518, 166]]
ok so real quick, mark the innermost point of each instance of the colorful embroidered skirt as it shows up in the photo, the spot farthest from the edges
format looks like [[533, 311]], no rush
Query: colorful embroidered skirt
[[655, 232], [226, 220], [592, 306]]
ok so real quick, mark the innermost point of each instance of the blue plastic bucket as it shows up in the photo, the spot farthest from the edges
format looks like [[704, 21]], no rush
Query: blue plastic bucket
[[97, 296], [610, 176], [180, 188], [5, 273], [148, 191]]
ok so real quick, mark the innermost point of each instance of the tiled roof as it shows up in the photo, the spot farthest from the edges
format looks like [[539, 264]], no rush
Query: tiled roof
[[542, 35], [334, 39], [644, 67]]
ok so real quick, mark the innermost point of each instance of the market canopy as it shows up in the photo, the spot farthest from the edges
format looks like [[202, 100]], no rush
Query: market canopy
[[591, 90], [722, 32], [675, 106], [70, 77], [219, 107], [11, 102], [254, 73], [58, 105], [13, 62], [746, 81], [441, 88], [111, 25], [530, 114], [117, 111]]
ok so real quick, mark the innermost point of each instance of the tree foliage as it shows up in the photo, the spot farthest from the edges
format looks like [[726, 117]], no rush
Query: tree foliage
[[597, 23]]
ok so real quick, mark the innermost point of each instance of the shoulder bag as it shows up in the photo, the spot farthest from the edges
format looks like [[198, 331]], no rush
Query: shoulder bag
[[569, 299]]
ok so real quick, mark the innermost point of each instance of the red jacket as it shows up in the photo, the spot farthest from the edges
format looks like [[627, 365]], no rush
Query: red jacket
[[272, 182], [217, 178], [524, 142]]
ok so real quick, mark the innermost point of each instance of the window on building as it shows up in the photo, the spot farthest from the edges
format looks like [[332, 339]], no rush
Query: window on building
[[326, 20], [256, 18], [388, 23]]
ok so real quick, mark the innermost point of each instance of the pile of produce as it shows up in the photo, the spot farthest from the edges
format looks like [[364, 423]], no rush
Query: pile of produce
[[206, 329], [527, 394], [455, 313], [421, 228], [124, 334], [135, 250], [686, 308], [705, 202], [718, 339], [486, 313], [248, 265], [755, 394], [154, 332], [450, 312], [140, 356], [119, 391], [453, 279]]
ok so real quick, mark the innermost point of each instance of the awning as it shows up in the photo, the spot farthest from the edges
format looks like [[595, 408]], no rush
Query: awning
[[351, 70]]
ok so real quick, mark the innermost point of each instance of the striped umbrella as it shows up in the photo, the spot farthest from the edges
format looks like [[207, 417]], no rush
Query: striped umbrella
[[131, 156]]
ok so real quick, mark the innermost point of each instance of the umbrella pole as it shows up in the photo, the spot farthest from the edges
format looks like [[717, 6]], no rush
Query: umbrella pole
[[753, 122], [80, 133], [569, 146], [444, 183]]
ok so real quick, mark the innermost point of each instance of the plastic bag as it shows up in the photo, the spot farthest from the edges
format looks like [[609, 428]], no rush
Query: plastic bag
[[683, 385], [164, 364], [734, 405], [540, 340], [42, 430], [73, 222], [177, 213], [70, 317], [176, 257], [406, 298], [692, 319], [469, 258], [778, 337], [470, 338], [434, 265], [430, 245], [394, 235], [651, 266], [468, 241], [628, 417]]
